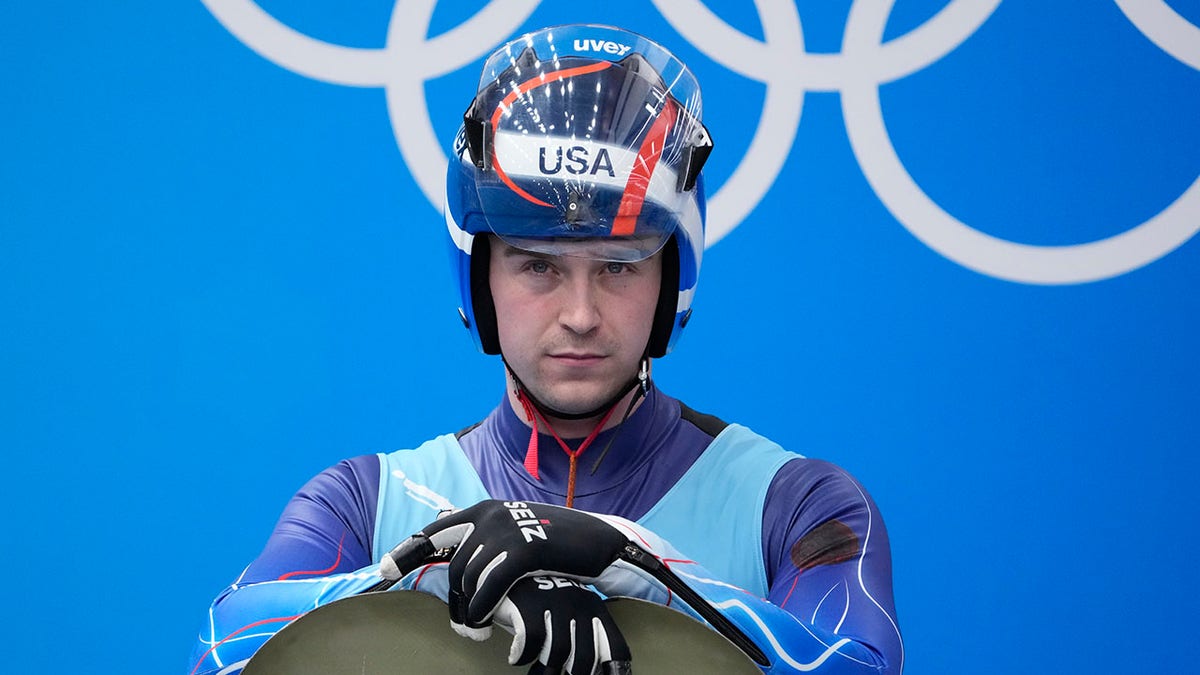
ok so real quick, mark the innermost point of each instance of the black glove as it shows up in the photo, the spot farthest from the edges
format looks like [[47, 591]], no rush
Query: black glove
[[558, 625], [496, 543]]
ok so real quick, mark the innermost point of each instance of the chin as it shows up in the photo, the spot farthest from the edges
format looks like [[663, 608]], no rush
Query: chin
[[580, 400]]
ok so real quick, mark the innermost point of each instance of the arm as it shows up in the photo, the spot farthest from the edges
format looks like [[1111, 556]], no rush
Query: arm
[[829, 558], [830, 580], [831, 613], [318, 552]]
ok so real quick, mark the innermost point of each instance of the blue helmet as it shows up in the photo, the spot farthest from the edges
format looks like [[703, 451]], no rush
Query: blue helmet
[[580, 132]]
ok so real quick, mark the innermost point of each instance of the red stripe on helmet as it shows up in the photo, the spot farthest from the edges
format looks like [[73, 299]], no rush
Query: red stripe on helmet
[[524, 87], [643, 167]]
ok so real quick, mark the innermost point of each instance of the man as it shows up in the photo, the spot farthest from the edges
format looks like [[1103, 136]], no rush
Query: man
[[575, 207]]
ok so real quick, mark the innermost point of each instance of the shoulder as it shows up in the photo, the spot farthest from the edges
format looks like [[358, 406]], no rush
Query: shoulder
[[710, 425], [713, 427], [820, 501], [349, 476], [816, 514], [359, 477], [817, 481], [435, 450]]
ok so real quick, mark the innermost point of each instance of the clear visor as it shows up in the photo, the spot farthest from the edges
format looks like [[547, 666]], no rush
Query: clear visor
[[609, 249], [587, 133], [596, 42]]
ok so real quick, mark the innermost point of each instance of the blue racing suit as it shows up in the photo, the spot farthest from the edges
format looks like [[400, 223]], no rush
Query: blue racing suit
[[792, 550]]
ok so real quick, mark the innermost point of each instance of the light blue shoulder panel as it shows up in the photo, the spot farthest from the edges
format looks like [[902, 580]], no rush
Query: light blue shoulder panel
[[415, 485], [714, 513]]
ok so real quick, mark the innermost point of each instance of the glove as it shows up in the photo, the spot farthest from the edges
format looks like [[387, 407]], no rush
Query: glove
[[559, 625], [496, 543]]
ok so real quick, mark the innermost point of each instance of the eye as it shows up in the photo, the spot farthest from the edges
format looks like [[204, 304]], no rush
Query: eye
[[616, 267], [538, 266]]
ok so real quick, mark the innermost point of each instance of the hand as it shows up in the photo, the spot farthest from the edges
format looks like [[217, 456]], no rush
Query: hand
[[559, 625], [497, 543], [494, 544]]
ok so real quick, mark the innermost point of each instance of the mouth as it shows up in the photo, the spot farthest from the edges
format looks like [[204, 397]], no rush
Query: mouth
[[577, 358]]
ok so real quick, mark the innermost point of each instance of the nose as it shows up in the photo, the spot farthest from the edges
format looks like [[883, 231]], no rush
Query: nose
[[580, 311]]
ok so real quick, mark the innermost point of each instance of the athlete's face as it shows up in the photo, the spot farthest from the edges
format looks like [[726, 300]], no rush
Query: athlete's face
[[572, 329]]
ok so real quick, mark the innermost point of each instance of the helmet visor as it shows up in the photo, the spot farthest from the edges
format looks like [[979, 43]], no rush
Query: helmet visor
[[586, 132]]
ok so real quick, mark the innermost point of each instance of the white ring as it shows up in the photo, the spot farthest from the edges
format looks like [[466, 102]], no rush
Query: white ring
[[769, 63], [1165, 28], [971, 248]]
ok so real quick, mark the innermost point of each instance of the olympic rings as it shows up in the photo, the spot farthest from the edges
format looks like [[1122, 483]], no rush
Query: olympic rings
[[780, 62]]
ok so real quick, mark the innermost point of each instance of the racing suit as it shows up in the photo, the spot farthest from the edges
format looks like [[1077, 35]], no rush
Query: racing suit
[[791, 549]]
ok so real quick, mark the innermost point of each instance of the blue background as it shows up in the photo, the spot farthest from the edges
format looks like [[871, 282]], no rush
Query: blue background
[[218, 277]]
